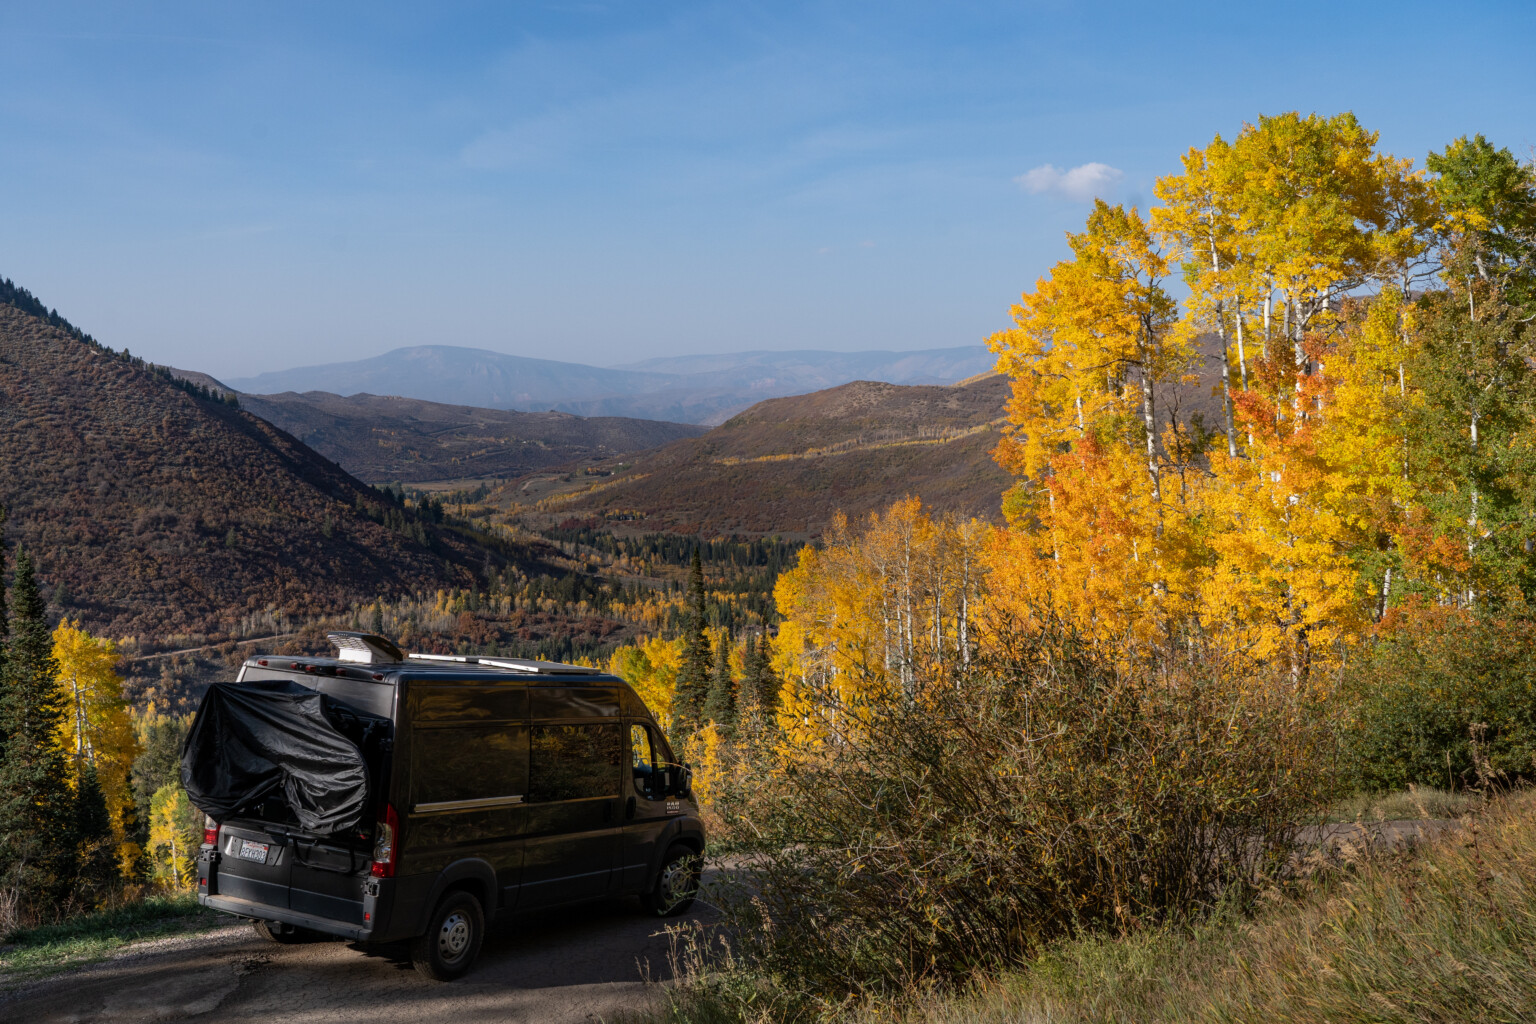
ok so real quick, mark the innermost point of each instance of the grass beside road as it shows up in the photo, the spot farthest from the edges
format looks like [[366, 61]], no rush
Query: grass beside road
[[1416, 803], [1442, 932], [35, 952]]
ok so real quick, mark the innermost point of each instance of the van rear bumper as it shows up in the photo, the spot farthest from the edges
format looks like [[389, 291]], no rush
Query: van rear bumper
[[267, 912]]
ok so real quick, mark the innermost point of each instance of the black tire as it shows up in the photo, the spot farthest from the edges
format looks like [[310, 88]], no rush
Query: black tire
[[452, 939], [677, 883], [282, 933]]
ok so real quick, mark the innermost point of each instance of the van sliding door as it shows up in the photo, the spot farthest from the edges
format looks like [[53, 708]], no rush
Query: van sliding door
[[573, 817]]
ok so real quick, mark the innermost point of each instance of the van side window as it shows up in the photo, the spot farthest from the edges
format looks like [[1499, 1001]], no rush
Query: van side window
[[643, 765], [574, 762], [468, 762]]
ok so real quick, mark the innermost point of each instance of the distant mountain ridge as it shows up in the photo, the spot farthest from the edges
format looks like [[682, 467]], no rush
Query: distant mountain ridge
[[388, 438], [684, 389], [787, 465]]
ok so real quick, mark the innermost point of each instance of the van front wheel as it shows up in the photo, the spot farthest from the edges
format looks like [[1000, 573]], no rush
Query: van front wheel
[[452, 939], [677, 883]]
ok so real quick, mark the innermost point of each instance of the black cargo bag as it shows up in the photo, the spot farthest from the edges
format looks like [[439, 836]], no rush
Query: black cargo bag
[[250, 741]]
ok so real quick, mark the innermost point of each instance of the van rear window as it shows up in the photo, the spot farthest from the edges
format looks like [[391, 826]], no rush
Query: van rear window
[[574, 762], [468, 762]]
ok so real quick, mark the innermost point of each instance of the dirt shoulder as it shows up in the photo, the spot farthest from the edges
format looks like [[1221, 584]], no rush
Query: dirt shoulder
[[579, 964]]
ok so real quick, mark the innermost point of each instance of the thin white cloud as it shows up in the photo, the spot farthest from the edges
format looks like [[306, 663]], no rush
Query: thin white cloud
[[1080, 184]]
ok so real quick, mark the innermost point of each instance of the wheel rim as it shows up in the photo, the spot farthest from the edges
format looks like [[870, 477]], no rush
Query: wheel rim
[[453, 936], [676, 883]]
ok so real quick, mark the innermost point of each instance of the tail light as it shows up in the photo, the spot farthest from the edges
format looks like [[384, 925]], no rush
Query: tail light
[[384, 844], [210, 831]]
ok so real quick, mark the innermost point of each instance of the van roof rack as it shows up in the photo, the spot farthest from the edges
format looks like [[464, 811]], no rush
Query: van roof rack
[[543, 668]]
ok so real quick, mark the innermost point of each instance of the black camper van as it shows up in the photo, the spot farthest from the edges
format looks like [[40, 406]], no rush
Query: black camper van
[[383, 797]]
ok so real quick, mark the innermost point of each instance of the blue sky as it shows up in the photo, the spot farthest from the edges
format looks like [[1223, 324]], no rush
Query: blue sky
[[247, 188]]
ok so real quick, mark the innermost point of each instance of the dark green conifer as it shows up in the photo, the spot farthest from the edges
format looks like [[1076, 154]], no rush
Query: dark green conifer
[[721, 706], [692, 687], [759, 685], [37, 812], [95, 862]]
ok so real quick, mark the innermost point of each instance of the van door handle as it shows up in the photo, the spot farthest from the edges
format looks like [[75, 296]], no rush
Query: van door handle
[[629, 808]]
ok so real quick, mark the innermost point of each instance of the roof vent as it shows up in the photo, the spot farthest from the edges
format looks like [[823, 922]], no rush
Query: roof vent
[[364, 648]]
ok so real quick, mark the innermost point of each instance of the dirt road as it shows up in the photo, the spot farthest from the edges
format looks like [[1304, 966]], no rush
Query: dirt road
[[580, 964]]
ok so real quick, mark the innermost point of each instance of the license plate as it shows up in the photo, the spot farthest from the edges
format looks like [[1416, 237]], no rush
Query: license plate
[[252, 851]]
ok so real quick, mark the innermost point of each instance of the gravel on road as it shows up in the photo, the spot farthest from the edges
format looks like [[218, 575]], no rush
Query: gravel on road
[[577, 964]]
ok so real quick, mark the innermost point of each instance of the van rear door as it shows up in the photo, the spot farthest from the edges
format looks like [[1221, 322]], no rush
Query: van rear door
[[327, 875], [253, 864]]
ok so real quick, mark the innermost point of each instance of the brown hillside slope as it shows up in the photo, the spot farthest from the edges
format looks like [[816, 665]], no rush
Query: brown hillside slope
[[161, 513], [381, 439], [785, 466]]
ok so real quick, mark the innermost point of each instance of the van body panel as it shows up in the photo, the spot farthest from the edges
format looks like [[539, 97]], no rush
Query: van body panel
[[570, 853], [478, 874]]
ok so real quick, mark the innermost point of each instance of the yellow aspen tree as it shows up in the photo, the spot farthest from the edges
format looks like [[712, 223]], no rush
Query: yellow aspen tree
[[879, 612], [97, 728], [174, 836], [1200, 220], [650, 666], [1091, 350]]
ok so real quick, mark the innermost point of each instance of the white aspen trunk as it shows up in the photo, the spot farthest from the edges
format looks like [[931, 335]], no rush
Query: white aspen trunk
[[962, 630], [906, 585], [1226, 384], [1296, 359], [1149, 418], [1050, 497], [1472, 515], [74, 683], [1242, 357], [1269, 297]]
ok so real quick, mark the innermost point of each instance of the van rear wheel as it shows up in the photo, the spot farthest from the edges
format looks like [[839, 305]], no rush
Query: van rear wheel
[[452, 939], [281, 932], [677, 883]]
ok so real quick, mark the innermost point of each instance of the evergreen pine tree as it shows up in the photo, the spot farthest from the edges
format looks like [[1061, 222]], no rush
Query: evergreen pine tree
[[768, 682], [94, 862], [759, 686], [692, 687], [37, 809], [720, 707]]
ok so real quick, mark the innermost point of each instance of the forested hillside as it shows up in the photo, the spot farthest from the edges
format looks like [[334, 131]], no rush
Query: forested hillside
[[151, 511], [788, 465], [383, 439]]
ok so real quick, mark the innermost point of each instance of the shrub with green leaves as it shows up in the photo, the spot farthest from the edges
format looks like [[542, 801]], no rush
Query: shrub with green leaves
[[1036, 794], [1423, 695]]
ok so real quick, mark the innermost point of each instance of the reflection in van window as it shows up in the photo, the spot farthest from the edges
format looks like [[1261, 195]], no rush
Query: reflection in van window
[[573, 762], [642, 759], [468, 763]]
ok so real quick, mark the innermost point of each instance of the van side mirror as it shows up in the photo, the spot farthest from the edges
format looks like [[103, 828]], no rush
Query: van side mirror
[[682, 779]]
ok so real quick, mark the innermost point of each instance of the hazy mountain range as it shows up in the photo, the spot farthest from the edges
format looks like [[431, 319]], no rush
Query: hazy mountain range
[[705, 389]]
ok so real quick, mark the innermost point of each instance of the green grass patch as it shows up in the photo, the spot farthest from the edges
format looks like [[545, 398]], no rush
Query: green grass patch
[[34, 952], [1411, 804]]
